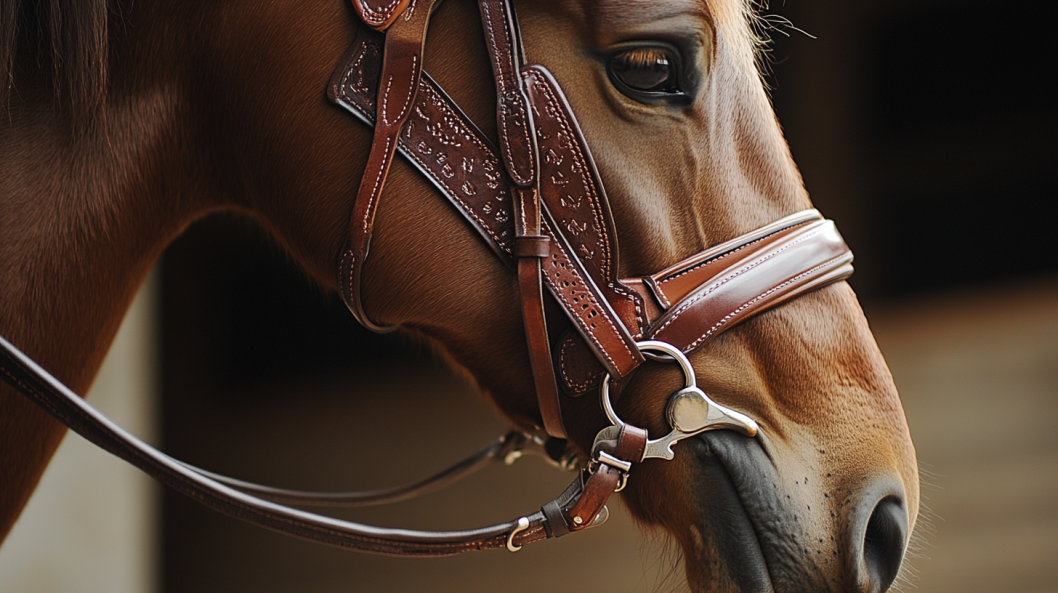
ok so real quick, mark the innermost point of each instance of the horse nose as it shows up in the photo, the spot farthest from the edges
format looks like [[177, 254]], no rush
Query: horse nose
[[880, 528]]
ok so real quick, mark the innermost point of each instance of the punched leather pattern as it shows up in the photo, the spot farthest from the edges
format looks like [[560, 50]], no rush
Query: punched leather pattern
[[434, 130], [574, 196]]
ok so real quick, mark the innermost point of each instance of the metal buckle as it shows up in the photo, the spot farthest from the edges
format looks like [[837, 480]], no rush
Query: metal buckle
[[690, 411], [610, 460], [622, 467]]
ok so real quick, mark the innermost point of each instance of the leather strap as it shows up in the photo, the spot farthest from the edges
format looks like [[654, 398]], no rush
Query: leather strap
[[583, 267], [514, 121], [787, 267], [677, 281], [401, 69], [723, 286], [606, 478], [513, 118], [472, 179], [531, 244], [582, 356], [555, 510], [564, 222], [40, 387], [442, 142]]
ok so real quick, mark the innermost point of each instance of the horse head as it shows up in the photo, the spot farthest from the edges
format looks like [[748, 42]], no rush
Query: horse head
[[674, 109]]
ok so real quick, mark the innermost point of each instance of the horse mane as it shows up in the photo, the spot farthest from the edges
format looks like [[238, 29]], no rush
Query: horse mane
[[67, 40]]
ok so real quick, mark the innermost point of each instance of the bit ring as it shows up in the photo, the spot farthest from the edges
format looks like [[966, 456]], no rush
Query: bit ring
[[689, 379]]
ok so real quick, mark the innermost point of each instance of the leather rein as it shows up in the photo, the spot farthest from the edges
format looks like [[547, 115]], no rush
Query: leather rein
[[539, 204]]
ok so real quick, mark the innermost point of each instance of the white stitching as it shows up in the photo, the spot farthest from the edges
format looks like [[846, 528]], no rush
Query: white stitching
[[731, 277], [733, 251], [501, 92], [386, 156], [573, 384], [407, 96], [380, 11], [344, 86], [656, 291], [595, 200], [452, 194], [577, 154], [762, 295]]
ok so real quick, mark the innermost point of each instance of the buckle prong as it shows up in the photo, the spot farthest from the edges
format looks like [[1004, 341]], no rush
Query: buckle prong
[[523, 524]]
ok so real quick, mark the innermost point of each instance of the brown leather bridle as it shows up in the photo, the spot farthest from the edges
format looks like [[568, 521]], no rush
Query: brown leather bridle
[[539, 204]]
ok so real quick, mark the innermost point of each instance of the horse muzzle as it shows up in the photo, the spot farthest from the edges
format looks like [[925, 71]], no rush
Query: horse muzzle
[[759, 528]]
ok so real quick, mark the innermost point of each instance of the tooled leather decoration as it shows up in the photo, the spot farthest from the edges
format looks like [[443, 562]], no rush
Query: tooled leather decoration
[[687, 304], [560, 221], [539, 204]]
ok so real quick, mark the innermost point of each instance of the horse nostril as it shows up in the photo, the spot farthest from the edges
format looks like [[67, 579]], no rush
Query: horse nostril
[[883, 542]]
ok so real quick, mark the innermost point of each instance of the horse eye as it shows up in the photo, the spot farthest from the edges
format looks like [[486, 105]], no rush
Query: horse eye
[[649, 70]]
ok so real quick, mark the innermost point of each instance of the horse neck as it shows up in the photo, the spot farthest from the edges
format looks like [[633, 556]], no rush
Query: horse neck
[[83, 219], [85, 210]]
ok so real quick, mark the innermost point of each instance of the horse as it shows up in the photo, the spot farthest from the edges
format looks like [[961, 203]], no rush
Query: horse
[[124, 122]]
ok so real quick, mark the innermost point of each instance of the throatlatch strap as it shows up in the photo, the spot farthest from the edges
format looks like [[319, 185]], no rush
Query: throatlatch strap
[[401, 69]]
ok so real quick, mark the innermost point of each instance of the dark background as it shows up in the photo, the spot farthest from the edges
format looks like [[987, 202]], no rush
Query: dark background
[[926, 129]]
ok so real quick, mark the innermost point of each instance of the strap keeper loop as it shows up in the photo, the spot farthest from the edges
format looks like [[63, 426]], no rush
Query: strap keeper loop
[[532, 246], [610, 460]]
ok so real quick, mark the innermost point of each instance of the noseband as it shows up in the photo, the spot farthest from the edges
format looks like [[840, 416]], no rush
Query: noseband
[[539, 204]]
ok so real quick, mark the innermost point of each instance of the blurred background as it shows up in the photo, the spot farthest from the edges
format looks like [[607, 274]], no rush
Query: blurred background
[[926, 129]]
